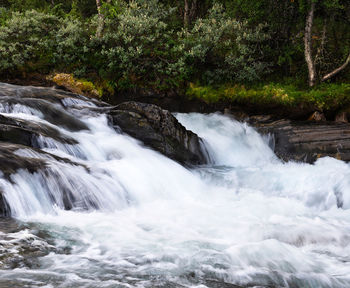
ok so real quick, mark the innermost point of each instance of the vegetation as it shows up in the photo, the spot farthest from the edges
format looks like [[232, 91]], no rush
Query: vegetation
[[232, 49], [325, 97]]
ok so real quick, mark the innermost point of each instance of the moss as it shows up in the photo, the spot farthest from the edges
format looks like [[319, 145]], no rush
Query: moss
[[324, 97], [79, 86]]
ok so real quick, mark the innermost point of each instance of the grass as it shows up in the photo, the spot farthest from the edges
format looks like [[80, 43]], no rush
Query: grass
[[325, 97]]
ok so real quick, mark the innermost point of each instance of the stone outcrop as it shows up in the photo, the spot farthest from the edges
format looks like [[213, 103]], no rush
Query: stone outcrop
[[160, 130], [304, 140]]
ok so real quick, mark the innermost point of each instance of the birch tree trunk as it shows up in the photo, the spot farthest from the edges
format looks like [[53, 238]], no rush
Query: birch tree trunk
[[308, 45], [101, 20]]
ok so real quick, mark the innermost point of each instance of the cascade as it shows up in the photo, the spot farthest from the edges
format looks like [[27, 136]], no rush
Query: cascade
[[94, 207]]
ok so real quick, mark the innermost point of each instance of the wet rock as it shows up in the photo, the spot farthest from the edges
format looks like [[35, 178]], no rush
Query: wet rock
[[306, 141], [24, 132], [57, 96], [5, 210], [50, 94], [11, 162], [14, 157], [160, 130], [20, 247], [50, 112]]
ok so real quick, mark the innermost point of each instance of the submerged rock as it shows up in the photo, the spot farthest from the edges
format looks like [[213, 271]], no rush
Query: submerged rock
[[4, 207], [52, 113], [21, 246], [306, 141], [160, 130]]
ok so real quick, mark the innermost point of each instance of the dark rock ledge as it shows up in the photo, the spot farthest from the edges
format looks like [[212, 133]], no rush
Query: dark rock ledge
[[160, 130], [305, 141]]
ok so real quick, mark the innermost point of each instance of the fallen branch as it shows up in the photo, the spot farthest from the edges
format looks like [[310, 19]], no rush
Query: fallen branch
[[336, 71]]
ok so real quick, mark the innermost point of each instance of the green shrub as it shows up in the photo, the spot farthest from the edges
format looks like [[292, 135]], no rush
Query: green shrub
[[138, 49], [222, 49], [4, 15], [27, 41], [73, 48]]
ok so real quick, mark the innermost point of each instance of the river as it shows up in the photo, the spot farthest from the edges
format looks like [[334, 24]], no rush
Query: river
[[139, 219]]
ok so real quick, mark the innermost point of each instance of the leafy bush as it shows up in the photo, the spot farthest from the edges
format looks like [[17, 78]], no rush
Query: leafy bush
[[137, 48], [4, 15], [73, 47], [27, 41], [223, 49]]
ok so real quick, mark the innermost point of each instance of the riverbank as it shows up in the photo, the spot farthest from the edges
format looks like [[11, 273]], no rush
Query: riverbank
[[327, 102]]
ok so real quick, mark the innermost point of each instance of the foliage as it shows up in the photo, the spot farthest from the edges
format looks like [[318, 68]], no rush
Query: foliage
[[224, 49], [27, 41], [137, 47], [72, 47], [145, 44], [37, 41], [325, 97]]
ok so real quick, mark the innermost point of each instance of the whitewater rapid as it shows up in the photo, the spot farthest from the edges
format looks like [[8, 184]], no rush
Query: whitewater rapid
[[139, 219]]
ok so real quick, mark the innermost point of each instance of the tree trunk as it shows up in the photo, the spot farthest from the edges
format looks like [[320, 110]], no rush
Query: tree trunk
[[336, 71], [186, 14], [193, 11], [190, 13], [308, 45], [101, 20]]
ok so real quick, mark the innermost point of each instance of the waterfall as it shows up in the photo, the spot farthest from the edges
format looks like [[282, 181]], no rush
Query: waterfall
[[107, 211]]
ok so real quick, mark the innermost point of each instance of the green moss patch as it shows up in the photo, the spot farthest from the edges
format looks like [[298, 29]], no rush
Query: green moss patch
[[325, 97]]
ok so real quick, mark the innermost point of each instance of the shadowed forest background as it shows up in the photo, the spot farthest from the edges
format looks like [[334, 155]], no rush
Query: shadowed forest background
[[262, 51]]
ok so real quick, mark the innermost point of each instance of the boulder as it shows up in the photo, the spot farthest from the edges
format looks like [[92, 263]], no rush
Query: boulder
[[160, 130], [304, 140]]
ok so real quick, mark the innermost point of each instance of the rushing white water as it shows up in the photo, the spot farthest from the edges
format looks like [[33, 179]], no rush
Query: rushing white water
[[142, 220]]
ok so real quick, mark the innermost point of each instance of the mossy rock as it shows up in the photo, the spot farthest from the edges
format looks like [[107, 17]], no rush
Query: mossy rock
[[78, 86]]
